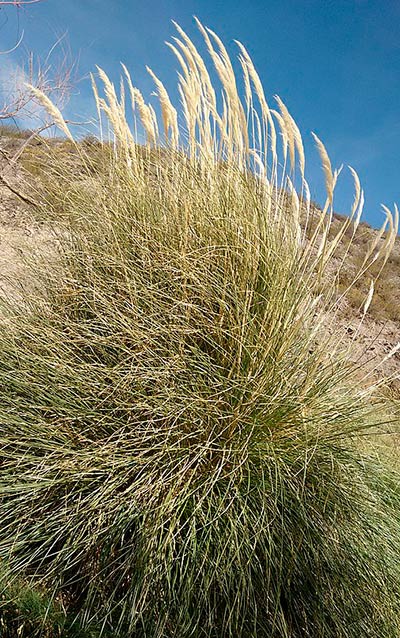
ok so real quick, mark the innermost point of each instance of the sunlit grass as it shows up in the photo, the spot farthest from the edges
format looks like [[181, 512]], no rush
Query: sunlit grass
[[179, 430]]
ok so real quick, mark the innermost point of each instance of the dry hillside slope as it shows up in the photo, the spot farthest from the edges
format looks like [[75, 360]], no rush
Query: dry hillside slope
[[21, 233]]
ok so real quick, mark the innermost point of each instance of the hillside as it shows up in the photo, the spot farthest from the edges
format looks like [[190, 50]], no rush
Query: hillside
[[22, 232], [199, 370], [179, 412]]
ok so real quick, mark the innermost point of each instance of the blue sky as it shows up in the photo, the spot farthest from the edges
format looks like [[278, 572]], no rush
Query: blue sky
[[335, 63]]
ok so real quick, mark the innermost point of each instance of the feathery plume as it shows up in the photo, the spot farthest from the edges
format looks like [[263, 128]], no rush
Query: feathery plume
[[51, 110]]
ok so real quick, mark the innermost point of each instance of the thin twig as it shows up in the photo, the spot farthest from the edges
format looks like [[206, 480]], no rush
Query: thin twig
[[24, 198]]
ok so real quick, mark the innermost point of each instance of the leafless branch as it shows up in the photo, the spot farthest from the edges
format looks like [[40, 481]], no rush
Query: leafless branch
[[55, 76], [17, 3], [24, 198]]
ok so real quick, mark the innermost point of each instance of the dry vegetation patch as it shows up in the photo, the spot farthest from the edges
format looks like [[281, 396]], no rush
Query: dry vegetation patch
[[182, 407]]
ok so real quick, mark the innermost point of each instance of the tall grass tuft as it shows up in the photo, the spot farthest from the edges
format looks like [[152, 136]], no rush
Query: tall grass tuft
[[179, 424]]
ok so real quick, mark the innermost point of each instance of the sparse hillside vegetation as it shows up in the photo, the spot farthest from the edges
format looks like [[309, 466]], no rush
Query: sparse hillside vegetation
[[183, 409]]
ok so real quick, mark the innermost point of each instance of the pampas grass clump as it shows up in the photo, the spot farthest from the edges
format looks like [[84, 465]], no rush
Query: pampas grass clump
[[178, 428]]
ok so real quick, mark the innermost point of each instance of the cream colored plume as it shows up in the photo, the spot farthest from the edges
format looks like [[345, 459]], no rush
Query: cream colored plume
[[326, 165], [146, 115], [369, 297], [168, 111], [51, 110]]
